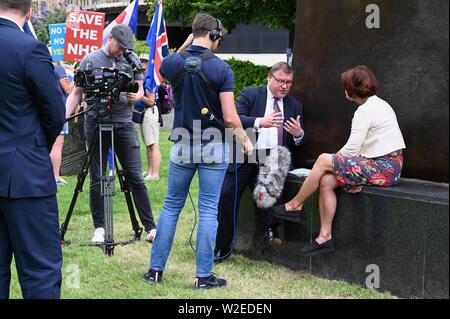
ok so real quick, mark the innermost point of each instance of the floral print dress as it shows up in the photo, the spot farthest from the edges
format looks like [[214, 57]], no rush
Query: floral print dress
[[352, 172]]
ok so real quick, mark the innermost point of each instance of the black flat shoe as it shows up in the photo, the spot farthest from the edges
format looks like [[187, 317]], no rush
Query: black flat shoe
[[280, 212], [315, 248]]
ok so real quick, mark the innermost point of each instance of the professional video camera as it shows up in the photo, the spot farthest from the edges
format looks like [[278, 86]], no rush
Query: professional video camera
[[102, 82], [134, 61]]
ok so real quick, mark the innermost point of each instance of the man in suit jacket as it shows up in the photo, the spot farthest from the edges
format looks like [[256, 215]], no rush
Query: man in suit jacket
[[277, 119], [31, 117]]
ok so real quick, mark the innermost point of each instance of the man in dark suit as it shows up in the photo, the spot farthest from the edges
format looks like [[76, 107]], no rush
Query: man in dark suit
[[31, 117], [277, 119]]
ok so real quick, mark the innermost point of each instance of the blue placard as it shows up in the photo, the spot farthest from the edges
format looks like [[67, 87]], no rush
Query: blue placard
[[57, 40]]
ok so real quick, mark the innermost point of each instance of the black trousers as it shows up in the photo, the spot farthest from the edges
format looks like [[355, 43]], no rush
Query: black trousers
[[127, 149], [246, 176], [29, 231]]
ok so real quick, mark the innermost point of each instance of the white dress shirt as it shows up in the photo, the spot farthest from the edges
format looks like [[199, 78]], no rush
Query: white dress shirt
[[268, 137], [375, 131]]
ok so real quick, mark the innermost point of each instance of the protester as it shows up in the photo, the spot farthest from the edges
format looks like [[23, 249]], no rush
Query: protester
[[126, 141], [56, 153], [372, 156], [278, 120], [111, 163], [208, 157], [31, 118], [149, 125]]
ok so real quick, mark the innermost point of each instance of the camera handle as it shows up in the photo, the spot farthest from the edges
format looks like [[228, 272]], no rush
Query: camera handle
[[107, 191], [79, 114]]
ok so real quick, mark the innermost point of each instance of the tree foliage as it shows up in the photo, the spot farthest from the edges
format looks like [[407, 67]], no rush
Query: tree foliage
[[271, 13], [246, 74], [140, 47], [40, 23]]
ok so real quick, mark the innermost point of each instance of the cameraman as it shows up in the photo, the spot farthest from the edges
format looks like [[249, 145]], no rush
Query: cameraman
[[125, 138]]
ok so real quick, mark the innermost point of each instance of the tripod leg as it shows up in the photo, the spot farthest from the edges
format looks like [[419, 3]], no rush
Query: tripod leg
[[107, 191], [124, 186], [79, 187]]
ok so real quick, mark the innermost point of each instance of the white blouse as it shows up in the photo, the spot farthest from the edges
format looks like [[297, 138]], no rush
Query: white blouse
[[375, 131]]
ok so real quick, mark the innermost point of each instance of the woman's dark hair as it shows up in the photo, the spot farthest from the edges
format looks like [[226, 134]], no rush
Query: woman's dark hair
[[360, 82], [21, 5]]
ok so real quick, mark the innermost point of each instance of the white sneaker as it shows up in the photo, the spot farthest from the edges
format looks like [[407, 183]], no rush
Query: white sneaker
[[99, 236], [151, 178], [151, 235]]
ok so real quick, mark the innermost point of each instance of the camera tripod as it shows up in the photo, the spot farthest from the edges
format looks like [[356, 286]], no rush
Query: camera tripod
[[107, 190]]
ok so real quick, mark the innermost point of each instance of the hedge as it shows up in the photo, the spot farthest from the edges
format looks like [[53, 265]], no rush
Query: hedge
[[247, 74]]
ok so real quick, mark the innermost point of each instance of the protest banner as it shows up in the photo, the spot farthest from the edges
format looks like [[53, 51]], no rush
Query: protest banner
[[57, 40], [84, 32]]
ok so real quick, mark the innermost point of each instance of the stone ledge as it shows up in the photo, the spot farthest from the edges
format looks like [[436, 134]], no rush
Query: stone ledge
[[403, 230]]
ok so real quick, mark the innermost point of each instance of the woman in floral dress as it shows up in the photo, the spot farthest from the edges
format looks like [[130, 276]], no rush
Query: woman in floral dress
[[372, 156]]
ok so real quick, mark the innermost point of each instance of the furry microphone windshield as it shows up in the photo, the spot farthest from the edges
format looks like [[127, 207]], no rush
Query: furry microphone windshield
[[271, 177]]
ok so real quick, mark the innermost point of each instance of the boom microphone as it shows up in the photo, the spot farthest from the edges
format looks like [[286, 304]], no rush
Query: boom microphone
[[205, 112], [134, 61], [271, 177]]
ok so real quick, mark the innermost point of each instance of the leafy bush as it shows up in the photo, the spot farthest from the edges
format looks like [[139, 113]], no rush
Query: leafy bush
[[140, 47], [40, 23], [247, 74]]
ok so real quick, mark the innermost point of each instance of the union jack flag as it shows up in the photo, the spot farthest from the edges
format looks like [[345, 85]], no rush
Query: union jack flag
[[129, 16], [159, 48]]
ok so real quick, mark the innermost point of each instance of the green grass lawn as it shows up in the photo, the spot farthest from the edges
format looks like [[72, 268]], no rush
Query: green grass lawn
[[88, 273]]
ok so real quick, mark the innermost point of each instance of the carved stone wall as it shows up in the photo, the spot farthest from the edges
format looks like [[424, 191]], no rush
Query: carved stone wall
[[408, 54]]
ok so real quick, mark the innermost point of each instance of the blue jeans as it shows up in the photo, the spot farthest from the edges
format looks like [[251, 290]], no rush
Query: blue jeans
[[211, 173]]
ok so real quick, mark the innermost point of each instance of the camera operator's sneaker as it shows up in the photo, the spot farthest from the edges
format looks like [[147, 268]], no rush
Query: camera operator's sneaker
[[153, 277], [99, 236], [151, 235], [209, 282]]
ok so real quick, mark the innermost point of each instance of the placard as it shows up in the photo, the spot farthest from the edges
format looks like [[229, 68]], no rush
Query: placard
[[84, 33], [57, 40]]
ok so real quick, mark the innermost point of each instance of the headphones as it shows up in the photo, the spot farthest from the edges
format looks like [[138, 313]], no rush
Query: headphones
[[214, 34]]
